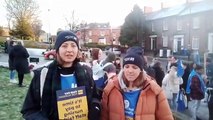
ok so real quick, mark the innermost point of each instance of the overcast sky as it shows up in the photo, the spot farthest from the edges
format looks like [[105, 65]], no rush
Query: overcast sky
[[112, 11]]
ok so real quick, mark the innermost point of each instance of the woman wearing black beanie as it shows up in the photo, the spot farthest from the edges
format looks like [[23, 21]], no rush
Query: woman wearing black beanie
[[133, 95], [64, 73]]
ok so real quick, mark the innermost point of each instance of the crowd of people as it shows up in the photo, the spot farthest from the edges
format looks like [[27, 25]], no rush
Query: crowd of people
[[117, 88], [190, 83]]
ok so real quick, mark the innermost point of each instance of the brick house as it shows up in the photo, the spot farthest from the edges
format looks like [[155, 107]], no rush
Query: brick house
[[187, 26], [101, 33]]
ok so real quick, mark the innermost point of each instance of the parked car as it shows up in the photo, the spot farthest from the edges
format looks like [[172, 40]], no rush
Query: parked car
[[49, 55]]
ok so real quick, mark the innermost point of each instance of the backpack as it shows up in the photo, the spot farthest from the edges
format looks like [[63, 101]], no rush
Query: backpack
[[43, 75], [99, 75]]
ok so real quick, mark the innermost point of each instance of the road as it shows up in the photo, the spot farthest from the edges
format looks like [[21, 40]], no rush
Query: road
[[33, 52]]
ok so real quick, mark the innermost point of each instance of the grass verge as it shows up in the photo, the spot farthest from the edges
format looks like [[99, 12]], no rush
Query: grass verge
[[11, 96]]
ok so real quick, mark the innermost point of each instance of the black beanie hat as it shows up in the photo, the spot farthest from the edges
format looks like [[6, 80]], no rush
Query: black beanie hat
[[64, 36], [132, 58]]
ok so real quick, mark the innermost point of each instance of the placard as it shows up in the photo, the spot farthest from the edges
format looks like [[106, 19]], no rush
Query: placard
[[72, 104]]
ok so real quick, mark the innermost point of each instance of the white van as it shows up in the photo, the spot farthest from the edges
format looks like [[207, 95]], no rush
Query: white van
[[19, 42], [114, 50]]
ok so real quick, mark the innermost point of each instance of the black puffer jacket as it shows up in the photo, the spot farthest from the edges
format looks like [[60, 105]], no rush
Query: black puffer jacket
[[32, 108]]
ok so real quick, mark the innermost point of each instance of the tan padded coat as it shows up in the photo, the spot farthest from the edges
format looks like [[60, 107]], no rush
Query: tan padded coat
[[152, 103]]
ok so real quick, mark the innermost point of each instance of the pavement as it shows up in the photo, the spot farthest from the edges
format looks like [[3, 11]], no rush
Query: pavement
[[35, 53], [202, 113], [202, 110]]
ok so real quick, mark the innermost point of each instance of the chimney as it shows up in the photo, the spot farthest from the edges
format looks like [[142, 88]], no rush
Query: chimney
[[147, 9], [192, 1], [166, 4]]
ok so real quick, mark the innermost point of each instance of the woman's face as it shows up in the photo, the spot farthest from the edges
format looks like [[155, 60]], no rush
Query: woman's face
[[194, 65], [117, 61], [68, 51], [131, 72]]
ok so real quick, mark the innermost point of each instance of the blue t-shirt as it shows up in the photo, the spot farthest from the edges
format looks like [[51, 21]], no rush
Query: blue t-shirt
[[130, 103], [68, 81]]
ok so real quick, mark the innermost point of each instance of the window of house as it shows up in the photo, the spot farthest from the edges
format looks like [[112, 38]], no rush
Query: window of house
[[196, 23], [165, 25], [90, 40], [165, 41], [195, 42], [153, 27], [114, 36], [102, 33], [90, 33], [179, 25], [102, 40]]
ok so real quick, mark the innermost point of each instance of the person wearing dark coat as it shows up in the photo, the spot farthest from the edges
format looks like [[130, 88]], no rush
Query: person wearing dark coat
[[64, 73], [11, 66], [185, 75], [198, 88], [7, 46], [159, 73], [117, 64], [111, 68], [18, 56], [210, 100]]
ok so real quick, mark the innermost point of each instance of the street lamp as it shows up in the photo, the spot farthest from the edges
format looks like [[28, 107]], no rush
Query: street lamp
[[111, 37], [48, 35], [189, 31]]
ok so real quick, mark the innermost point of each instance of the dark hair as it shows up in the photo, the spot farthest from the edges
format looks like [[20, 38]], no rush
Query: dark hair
[[171, 56], [94, 53], [117, 58], [208, 60], [175, 57], [157, 64], [198, 67], [12, 42]]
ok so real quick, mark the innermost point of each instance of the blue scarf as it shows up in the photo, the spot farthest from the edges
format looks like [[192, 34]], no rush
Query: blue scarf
[[193, 73], [180, 70]]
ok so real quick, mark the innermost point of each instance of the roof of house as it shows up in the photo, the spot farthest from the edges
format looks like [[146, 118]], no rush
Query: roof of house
[[198, 7], [181, 10], [99, 25]]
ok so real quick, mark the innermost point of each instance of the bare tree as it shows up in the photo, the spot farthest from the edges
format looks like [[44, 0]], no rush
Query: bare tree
[[72, 23], [36, 27], [19, 11]]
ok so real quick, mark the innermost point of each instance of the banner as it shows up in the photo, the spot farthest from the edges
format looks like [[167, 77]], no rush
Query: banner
[[72, 104]]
